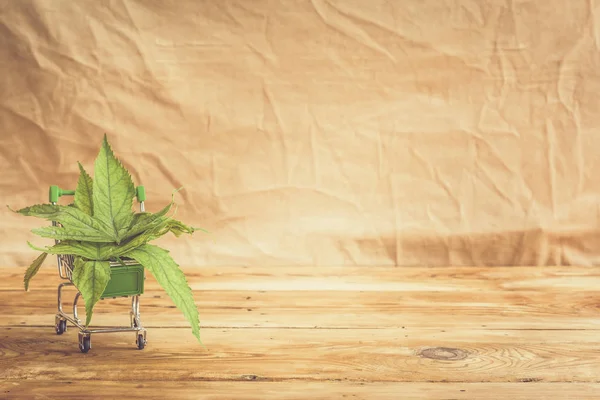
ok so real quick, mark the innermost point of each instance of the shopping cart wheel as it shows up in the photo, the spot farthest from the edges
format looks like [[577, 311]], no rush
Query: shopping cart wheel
[[61, 327], [85, 344], [141, 342]]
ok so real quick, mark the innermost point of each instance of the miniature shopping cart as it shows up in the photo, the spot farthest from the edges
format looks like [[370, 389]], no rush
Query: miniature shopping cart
[[127, 279]]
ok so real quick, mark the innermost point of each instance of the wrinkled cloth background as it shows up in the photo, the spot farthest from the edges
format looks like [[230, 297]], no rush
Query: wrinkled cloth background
[[323, 132]]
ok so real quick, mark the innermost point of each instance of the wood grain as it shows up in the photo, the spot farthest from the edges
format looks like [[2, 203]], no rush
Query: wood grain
[[321, 333], [274, 354], [307, 309], [550, 298], [292, 390], [356, 279]]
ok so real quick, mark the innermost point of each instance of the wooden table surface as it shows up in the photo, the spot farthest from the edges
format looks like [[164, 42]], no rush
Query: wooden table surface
[[319, 333]]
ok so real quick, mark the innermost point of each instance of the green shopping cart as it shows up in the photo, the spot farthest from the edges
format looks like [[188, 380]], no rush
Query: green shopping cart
[[127, 279]]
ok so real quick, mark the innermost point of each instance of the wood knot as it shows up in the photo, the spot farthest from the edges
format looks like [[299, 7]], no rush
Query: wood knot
[[444, 353], [531, 380]]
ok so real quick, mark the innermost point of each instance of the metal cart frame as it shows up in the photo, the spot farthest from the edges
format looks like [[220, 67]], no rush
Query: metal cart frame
[[65, 270]]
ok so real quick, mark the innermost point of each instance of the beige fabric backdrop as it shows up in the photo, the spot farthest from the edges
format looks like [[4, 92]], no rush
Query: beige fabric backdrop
[[323, 132]]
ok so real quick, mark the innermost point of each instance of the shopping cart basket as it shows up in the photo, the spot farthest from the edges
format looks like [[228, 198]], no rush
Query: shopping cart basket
[[127, 279]]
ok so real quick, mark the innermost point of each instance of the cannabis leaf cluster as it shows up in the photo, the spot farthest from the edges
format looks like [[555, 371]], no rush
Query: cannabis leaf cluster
[[101, 226]]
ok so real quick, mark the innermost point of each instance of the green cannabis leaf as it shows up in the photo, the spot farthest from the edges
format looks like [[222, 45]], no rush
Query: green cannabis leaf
[[33, 269], [142, 222], [91, 278], [171, 278], [76, 224], [113, 193], [100, 226], [84, 199]]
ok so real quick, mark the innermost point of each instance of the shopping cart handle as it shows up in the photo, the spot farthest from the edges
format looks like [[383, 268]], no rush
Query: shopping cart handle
[[56, 192], [140, 193]]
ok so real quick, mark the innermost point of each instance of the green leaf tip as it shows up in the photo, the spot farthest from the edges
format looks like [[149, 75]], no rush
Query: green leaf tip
[[84, 194], [33, 269], [91, 278], [168, 274], [112, 193]]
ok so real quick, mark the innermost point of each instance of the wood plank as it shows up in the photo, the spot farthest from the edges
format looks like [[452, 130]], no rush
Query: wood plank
[[21, 390], [383, 355], [356, 279], [497, 310], [477, 303]]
